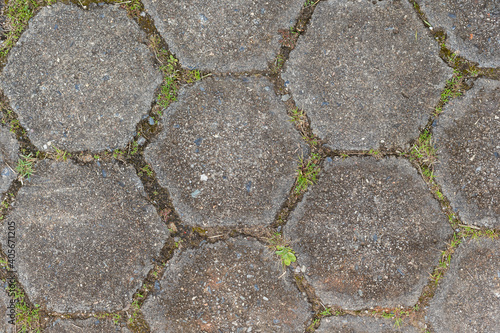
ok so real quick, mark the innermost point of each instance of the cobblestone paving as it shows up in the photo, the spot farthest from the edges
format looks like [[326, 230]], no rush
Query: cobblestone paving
[[250, 166]]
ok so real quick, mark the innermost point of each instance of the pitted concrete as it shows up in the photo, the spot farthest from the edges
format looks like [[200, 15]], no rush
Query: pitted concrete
[[368, 75], [232, 286], [231, 36], [472, 27], [80, 79], [368, 233], [228, 154], [467, 139], [85, 237]]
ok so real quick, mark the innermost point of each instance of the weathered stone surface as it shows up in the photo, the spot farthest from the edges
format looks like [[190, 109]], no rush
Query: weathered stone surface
[[468, 298], [367, 75], [85, 236], [91, 325], [472, 27], [8, 158], [2, 20], [228, 153], [231, 286], [238, 35], [351, 324], [468, 145], [80, 79], [5, 301], [369, 233]]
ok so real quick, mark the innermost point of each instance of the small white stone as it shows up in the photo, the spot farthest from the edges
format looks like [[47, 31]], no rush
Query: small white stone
[[203, 178]]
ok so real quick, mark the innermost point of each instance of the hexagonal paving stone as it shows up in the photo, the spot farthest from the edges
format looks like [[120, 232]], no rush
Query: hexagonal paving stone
[[80, 79], [85, 236], [351, 324], [91, 325], [8, 158], [6, 309], [468, 143], [228, 153], [369, 233], [471, 27], [468, 298], [231, 286], [367, 75], [238, 35]]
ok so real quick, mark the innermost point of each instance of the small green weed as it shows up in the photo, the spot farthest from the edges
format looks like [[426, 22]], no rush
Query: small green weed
[[453, 87], [118, 154], [25, 167], [116, 318], [307, 173], [133, 7], [297, 116], [61, 155], [169, 68], [146, 169], [310, 3], [278, 64], [190, 76], [286, 254], [374, 153], [326, 312], [134, 148], [424, 154]]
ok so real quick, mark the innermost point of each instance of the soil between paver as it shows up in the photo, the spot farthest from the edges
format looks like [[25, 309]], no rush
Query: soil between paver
[[368, 233], [228, 154], [8, 158], [352, 324], [467, 138], [468, 298], [228, 36], [91, 325], [231, 286], [472, 27], [85, 236], [80, 79], [368, 76]]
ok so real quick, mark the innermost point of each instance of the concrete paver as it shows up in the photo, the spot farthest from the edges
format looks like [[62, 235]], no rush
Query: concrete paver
[[8, 158], [228, 153], [80, 79], [91, 325], [235, 36], [468, 141], [367, 75], [84, 236], [368, 233], [468, 297], [472, 27], [231, 286]]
